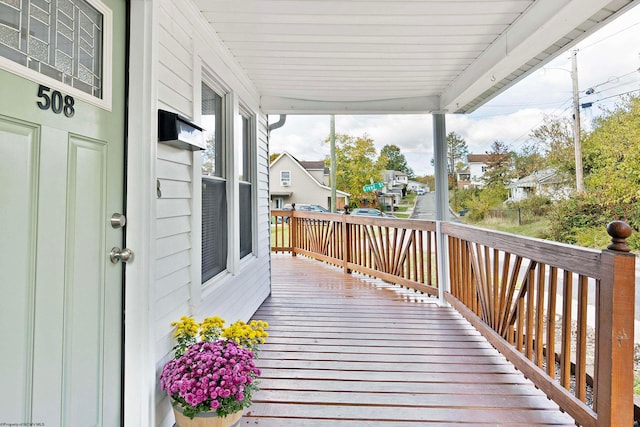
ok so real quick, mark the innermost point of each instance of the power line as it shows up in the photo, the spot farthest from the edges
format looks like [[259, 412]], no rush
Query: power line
[[609, 36], [617, 95]]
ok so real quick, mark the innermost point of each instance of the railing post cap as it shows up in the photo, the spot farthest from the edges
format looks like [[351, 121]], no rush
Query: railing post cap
[[619, 231]]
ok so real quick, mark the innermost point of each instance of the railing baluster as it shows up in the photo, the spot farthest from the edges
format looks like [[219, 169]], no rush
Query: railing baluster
[[422, 257], [581, 339], [567, 299], [504, 303], [520, 324], [540, 315], [551, 323], [530, 310], [496, 289], [414, 256]]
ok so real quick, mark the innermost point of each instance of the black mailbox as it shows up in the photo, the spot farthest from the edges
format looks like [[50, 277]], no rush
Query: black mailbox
[[179, 132]]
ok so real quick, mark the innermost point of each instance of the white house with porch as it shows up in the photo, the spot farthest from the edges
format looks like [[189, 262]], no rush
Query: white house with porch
[[134, 162], [547, 182]]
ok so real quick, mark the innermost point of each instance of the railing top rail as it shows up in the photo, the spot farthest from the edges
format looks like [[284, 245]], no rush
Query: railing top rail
[[573, 258], [410, 224]]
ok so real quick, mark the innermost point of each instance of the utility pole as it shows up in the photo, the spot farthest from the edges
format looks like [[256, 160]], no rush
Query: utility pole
[[332, 138], [576, 123]]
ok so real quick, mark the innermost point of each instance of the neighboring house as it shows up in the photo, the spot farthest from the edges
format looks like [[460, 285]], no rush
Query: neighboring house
[[415, 186], [393, 178], [464, 179], [546, 183], [296, 181], [390, 198], [396, 184], [476, 167]]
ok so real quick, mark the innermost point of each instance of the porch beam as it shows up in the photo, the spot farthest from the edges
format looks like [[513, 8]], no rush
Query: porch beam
[[545, 29], [413, 105], [442, 202]]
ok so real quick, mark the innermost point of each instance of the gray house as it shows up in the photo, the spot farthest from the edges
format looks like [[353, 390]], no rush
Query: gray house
[[296, 181]]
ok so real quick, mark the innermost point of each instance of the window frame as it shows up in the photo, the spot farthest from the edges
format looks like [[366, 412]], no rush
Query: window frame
[[248, 165], [288, 180], [224, 177]]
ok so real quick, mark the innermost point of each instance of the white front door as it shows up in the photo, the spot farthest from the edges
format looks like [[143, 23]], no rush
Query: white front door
[[61, 179]]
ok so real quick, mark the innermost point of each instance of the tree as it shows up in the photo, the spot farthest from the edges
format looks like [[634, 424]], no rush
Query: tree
[[428, 180], [611, 157], [498, 170], [555, 137], [396, 160], [612, 154], [496, 177], [527, 161], [273, 156], [457, 151], [209, 158], [357, 163]]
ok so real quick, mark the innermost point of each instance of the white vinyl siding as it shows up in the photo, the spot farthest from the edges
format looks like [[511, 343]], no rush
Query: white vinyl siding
[[189, 53], [175, 59]]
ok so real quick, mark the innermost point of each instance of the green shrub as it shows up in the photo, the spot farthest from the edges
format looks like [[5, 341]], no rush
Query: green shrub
[[464, 195], [535, 205], [488, 198], [582, 220]]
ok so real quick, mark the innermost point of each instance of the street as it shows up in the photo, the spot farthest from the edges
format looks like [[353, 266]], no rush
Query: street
[[425, 208]]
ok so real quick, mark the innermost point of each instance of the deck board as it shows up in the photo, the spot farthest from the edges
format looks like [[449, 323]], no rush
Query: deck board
[[350, 351]]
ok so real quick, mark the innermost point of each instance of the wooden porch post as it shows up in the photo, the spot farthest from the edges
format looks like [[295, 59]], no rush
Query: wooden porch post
[[442, 202], [614, 331]]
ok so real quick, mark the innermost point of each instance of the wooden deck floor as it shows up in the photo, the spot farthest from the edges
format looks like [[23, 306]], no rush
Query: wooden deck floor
[[349, 351]]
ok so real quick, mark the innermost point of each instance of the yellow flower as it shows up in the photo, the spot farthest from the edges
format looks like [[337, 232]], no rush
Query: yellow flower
[[186, 327]]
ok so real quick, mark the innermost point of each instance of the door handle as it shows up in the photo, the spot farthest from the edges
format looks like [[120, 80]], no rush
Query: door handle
[[117, 254]]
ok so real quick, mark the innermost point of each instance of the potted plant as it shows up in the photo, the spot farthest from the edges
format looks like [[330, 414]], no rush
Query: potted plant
[[212, 377]]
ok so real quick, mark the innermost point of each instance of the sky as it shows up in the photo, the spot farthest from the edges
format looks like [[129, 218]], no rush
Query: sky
[[608, 62]]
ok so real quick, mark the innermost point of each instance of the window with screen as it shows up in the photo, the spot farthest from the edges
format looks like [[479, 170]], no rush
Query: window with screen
[[285, 178], [214, 188], [246, 189]]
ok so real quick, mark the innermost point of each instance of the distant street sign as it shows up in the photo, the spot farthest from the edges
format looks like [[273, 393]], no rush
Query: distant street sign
[[373, 187]]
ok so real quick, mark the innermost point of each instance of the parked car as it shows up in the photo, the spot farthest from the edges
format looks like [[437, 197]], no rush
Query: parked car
[[302, 207], [371, 212], [420, 191], [306, 207]]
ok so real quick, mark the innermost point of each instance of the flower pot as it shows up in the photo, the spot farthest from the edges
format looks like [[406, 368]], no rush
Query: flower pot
[[206, 419]]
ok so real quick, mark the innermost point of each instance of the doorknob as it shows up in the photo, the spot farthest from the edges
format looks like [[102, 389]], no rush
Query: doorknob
[[117, 254]]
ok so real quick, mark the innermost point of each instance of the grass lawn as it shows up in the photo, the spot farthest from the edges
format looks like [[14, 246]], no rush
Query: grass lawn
[[537, 228]]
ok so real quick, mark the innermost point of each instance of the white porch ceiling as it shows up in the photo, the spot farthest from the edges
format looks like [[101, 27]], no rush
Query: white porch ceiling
[[396, 56]]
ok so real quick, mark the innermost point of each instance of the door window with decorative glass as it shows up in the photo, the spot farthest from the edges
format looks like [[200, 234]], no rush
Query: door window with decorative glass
[[61, 39]]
